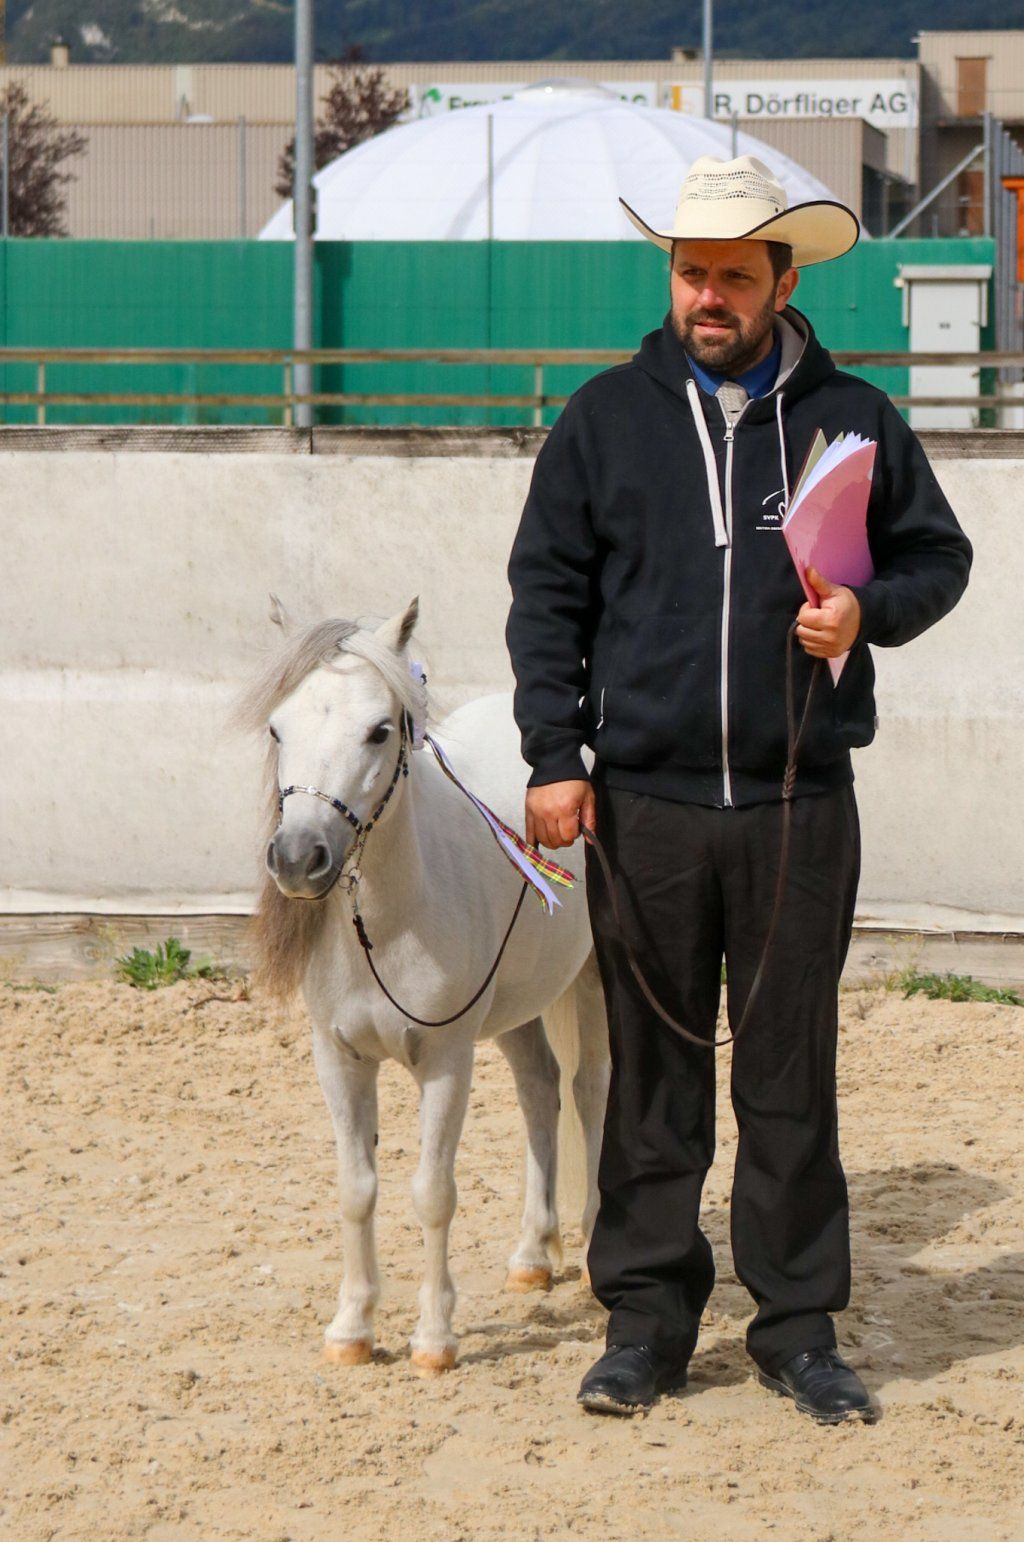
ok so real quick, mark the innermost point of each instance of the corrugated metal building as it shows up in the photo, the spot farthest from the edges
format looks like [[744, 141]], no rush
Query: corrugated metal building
[[175, 181], [920, 118], [209, 181], [168, 143]]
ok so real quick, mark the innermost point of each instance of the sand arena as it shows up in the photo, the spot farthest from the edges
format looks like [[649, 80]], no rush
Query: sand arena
[[170, 1256]]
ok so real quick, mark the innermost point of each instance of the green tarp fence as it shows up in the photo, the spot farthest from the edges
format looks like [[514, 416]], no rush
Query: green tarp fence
[[384, 294]]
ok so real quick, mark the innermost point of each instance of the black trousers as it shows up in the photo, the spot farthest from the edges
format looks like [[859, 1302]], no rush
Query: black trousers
[[696, 885]]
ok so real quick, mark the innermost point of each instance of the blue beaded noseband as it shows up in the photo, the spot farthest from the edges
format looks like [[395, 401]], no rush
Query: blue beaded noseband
[[362, 830], [350, 880]]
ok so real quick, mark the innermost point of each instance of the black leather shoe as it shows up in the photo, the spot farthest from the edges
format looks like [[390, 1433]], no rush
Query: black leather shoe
[[627, 1379], [822, 1385]]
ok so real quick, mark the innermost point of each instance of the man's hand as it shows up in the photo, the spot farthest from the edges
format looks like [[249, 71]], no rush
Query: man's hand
[[553, 813], [830, 630]]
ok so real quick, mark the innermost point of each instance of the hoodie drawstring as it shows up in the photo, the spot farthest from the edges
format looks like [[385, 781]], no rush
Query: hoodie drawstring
[[782, 452], [710, 464]]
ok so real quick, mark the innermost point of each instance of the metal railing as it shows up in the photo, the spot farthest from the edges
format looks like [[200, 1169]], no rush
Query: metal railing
[[287, 398]]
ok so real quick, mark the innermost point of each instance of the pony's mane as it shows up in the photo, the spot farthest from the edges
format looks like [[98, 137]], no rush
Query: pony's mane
[[318, 645], [285, 931]]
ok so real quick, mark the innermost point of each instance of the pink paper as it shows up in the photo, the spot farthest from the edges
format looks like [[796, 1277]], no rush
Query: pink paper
[[827, 528]]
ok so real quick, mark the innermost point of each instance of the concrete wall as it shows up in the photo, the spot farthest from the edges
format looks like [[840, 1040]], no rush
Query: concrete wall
[[137, 564]]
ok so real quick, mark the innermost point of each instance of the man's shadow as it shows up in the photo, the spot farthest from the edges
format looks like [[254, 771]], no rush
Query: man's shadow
[[906, 1319]]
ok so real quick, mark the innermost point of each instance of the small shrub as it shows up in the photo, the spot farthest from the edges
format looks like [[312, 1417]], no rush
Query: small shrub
[[169, 963], [955, 987]]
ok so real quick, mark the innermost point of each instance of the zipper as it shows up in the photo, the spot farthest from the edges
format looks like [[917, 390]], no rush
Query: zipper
[[600, 710], [730, 429]]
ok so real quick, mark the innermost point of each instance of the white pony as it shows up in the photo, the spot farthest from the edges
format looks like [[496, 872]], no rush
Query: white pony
[[436, 896]]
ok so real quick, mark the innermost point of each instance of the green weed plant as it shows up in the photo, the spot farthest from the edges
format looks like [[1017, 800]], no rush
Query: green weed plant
[[170, 962], [955, 987]]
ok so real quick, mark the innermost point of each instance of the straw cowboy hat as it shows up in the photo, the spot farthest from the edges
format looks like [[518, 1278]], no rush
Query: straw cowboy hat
[[742, 200]]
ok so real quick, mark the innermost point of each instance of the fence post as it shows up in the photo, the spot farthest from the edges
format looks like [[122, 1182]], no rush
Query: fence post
[[538, 391], [40, 392], [5, 177], [243, 191], [289, 416]]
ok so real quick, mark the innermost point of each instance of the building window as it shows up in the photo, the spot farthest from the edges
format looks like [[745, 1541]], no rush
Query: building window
[[971, 82], [970, 193]]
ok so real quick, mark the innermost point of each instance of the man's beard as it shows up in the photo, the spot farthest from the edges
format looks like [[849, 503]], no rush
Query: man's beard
[[737, 349]]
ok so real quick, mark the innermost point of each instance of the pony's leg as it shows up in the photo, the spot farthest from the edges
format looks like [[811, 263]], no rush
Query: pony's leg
[[350, 1087], [590, 1084], [444, 1069], [535, 1070]]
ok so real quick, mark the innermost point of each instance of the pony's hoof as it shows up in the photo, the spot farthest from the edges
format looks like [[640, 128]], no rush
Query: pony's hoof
[[432, 1362], [351, 1352], [523, 1280]]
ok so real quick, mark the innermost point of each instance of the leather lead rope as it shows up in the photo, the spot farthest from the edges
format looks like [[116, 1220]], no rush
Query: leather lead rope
[[357, 922], [367, 945], [794, 732]]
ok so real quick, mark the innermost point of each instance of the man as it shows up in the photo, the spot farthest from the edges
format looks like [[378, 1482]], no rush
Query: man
[[653, 594]]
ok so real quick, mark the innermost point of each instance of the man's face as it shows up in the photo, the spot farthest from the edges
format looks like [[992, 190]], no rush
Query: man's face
[[724, 297]]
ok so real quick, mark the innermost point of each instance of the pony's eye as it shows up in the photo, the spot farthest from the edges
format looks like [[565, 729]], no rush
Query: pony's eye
[[379, 734], [273, 734]]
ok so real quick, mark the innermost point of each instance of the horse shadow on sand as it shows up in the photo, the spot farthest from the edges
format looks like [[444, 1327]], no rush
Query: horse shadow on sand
[[551, 1320], [907, 1319]]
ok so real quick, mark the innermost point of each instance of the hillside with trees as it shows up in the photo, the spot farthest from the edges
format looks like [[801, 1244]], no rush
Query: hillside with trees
[[183, 31]]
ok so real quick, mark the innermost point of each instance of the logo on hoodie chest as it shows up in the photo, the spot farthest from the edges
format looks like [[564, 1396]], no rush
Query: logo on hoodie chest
[[772, 510]]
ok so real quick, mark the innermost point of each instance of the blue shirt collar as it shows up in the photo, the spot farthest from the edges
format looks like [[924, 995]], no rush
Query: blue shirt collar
[[757, 381]]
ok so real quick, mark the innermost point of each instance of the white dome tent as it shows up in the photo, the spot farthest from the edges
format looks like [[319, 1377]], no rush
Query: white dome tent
[[547, 164]]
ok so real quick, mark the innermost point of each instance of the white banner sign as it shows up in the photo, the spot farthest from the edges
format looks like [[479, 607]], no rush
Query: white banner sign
[[885, 103], [428, 101]]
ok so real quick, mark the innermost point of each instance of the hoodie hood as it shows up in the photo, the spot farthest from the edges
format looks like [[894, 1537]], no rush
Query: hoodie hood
[[804, 365]]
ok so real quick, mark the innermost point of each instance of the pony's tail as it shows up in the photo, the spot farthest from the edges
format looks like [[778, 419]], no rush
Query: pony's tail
[[562, 1027]]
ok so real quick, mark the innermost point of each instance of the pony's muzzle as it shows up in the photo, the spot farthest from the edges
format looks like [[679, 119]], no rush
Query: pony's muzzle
[[301, 867]]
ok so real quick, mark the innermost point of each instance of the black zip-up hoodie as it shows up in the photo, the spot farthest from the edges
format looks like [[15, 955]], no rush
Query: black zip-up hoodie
[[653, 590]]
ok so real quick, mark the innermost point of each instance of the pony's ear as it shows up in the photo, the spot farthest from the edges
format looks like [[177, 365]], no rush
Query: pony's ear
[[397, 630], [279, 616]]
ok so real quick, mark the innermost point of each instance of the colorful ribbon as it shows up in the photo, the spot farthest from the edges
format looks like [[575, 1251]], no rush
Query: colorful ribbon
[[525, 858]]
